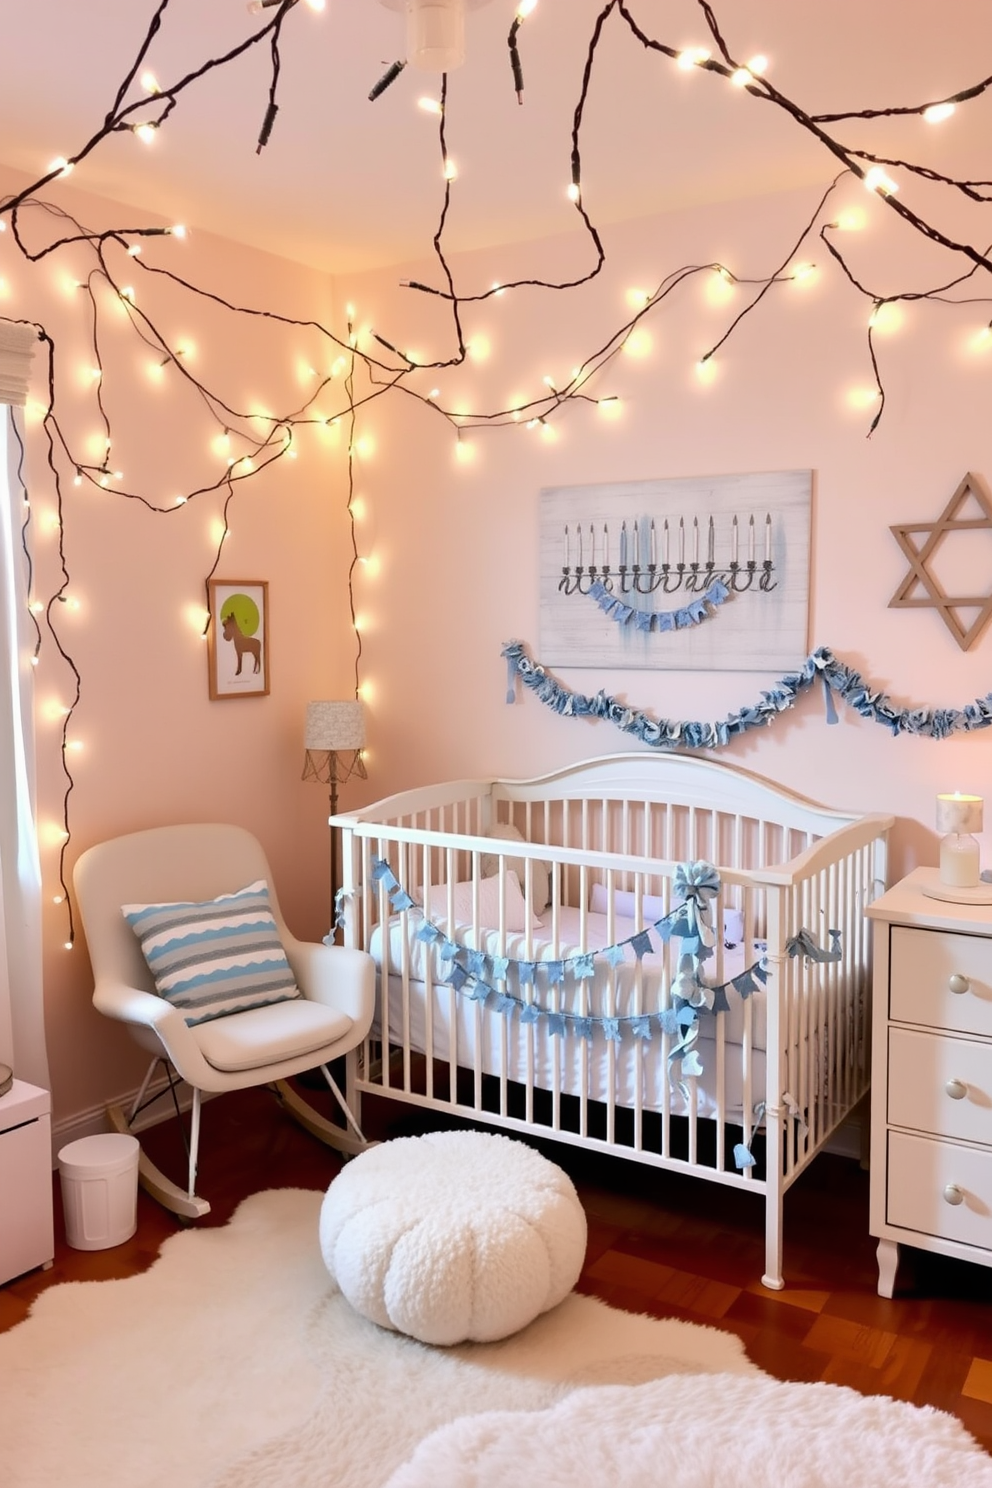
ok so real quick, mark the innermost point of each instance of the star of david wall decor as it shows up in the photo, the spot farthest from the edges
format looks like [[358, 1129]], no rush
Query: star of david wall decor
[[961, 561]]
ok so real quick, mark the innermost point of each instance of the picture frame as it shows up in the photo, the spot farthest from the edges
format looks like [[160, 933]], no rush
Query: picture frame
[[238, 638], [684, 573]]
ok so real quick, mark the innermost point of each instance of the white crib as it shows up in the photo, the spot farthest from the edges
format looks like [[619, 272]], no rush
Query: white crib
[[563, 1021]]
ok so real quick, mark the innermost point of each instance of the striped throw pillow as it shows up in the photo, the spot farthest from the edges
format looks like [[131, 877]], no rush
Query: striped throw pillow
[[212, 959]]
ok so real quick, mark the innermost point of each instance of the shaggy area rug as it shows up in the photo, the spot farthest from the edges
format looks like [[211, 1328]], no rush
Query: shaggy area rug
[[235, 1363]]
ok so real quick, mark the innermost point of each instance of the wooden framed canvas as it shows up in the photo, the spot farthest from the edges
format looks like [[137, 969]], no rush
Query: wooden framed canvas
[[696, 573], [238, 638]]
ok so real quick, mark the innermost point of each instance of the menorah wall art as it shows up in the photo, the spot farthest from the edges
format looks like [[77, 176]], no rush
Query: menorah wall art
[[639, 572], [630, 572]]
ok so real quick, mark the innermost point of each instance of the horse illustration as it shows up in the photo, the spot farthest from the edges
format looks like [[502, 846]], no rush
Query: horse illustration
[[242, 643]]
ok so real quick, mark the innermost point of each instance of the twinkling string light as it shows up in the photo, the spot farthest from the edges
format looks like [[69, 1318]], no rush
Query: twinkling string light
[[145, 117]]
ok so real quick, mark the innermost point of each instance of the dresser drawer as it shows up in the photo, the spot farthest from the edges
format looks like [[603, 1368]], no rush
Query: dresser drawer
[[921, 1170], [921, 968], [941, 1085]]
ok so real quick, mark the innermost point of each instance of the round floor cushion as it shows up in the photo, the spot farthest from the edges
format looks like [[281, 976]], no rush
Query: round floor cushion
[[454, 1236]]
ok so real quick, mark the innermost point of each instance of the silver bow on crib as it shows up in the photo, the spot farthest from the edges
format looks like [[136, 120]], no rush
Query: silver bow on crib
[[803, 944], [697, 885]]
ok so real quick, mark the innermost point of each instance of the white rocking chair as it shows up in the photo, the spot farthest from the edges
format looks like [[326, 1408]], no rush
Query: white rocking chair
[[262, 1046]]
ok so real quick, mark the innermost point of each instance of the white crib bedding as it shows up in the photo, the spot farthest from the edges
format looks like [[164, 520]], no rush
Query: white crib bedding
[[530, 1055], [631, 987]]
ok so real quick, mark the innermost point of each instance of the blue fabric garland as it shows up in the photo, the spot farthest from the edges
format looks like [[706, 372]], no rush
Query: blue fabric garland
[[698, 885], [694, 613], [837, 678]]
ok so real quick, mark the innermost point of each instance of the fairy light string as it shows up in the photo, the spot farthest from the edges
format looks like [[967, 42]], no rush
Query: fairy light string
[[389, 371]]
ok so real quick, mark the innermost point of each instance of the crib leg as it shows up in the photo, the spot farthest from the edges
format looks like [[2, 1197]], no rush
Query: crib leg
[[774, 1204]]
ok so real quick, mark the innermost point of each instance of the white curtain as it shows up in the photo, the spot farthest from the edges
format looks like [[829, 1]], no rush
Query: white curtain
[[22, 1028]]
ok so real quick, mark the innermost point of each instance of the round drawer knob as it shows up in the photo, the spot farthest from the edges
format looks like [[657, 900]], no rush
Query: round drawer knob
[[953, 1194], [956, 1089], [958, 983]]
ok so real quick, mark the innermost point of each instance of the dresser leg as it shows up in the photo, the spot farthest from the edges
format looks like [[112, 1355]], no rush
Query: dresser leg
[[888, 1265]]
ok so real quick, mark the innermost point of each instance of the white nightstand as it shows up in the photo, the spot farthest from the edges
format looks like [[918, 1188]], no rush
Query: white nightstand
[[27, 1233], [931, 1077]]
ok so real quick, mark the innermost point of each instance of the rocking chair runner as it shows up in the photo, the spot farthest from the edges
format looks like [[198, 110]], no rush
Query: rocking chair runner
[[262, 1046]]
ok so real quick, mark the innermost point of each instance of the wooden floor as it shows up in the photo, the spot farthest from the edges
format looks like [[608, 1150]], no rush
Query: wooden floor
[[658, 1244]]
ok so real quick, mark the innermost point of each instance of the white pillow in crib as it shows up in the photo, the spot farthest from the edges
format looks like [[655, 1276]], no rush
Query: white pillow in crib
[[653, 908], [436, 904], [540, 870]]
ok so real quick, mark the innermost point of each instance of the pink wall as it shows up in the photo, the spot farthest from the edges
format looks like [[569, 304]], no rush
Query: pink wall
[[155, 749], [454, 547], [458, 544]]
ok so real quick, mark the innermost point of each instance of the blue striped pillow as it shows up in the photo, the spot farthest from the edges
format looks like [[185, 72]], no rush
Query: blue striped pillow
[[212, 959]]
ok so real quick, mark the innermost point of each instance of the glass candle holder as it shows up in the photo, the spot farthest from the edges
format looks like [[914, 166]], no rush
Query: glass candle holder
[[959, 861], [958, 816]]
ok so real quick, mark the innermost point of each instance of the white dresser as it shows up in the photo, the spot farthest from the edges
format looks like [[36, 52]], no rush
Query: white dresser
[[931, 1075], [26, 1229]]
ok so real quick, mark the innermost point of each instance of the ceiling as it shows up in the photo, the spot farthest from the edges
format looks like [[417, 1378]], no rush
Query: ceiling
[[345, 183]]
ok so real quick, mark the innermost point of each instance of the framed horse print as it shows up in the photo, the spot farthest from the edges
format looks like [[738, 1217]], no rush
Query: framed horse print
[[238, 638]]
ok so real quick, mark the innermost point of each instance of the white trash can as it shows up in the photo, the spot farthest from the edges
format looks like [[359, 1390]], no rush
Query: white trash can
[[99, 1177]]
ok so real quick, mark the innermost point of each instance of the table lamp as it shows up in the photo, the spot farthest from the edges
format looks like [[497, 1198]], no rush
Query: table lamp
[[334, 739], [958, 879]]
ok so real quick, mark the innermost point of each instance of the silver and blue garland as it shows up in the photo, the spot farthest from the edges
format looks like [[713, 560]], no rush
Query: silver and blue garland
[[485, 978], [694, 613], [837, 678]]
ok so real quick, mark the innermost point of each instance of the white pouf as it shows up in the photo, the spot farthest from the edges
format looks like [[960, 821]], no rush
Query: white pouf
[[454, 1236]]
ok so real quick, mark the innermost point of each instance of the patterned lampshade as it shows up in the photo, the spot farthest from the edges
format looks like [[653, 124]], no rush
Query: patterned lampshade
[[335, 726]]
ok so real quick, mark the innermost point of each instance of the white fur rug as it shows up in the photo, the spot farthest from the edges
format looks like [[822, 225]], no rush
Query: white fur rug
[[234, 1363]]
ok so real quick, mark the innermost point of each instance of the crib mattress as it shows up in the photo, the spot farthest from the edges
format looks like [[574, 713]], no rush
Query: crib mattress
[[462, 1030], [630, 988]]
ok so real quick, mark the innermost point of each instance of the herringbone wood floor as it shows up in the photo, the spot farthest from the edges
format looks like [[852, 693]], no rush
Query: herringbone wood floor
[[658, 1244]]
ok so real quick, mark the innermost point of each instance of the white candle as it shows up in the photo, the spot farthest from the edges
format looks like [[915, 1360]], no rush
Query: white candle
[[592, 545], [566, 545], [606, 547], [959, 861], [710, 542], [959, 813], [637, 544], [750, 539], [768, 537], [681, 541], [695, 541], [654, 545], [665, 539], [623, 544]]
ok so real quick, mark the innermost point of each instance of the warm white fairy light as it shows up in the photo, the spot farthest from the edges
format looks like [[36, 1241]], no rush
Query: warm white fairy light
[[803, 271], [150, 82], [692, 57], [861, 398], [852, 220], [876, 180], [706, 370], [178, 230], [450, 169], [134, 251], [572, 191], [147, 132], [638, 298], [430, 105], [61, 165], [885, 317], [610, 408], [938, 112], [638, 342], [525, 8]]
